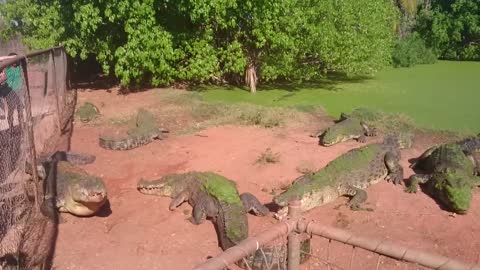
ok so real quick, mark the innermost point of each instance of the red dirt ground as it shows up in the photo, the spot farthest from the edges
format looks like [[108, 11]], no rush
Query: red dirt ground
[[141, 233]]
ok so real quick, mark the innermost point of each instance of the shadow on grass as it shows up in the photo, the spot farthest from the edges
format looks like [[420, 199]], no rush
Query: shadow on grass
[[330, 83]]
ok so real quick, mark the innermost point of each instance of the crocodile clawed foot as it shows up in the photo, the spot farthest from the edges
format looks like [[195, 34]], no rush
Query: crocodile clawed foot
[[192, 220], [362, 139], [396, 180], [411, 189], [281, 214]]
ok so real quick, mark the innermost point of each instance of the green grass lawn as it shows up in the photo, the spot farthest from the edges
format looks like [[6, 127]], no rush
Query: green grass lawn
[[442, 96]]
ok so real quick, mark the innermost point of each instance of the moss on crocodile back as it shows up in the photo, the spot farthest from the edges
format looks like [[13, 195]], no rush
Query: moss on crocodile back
[[402, 139], [452, 155], [223, 189], [346, 127], [354, 160], [454, 188]]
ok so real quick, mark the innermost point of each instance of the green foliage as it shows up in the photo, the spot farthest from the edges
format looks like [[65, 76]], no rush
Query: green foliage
[[157, 42], [452, 28], [411, 51]]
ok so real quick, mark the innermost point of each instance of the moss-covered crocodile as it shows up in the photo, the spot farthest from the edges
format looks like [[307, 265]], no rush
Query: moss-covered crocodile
[[348, 175], [346, 128], [448, 173], [69, 188], [212, 195], [144, 132]]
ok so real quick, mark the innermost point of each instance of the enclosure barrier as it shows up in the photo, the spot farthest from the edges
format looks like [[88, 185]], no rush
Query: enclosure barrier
[[36, 118], [295, 225]]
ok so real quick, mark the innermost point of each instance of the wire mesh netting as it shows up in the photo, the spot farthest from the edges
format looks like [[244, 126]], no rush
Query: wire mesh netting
[[36, 113], [323, 247]]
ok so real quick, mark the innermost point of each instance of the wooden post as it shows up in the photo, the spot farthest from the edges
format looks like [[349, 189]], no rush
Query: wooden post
[[30, 135], [293, 259], [55, 88]]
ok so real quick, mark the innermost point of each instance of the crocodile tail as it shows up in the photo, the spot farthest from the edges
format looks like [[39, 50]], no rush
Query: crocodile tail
[[274, 257], [126, 143]]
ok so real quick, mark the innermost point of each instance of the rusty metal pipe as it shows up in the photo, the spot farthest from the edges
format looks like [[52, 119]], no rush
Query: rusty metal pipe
[[248, 246], [387, 248], [7, 62], [293, 246]]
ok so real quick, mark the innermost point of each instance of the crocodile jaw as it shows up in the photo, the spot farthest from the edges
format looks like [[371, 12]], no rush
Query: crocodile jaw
[[335, 141], [81, 208], [156, 187], [311, 200]]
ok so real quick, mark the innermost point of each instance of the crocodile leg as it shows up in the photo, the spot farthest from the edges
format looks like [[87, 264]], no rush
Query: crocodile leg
[[178, 200], [362, 139], [359, 196], [251, 203], [395, 171], [414, 180], [203, 206], [199, 214], [369, 131]]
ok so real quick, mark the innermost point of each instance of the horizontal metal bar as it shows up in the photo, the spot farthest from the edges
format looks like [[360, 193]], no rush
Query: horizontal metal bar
[[386, 248], [18, 58], [248, 246]]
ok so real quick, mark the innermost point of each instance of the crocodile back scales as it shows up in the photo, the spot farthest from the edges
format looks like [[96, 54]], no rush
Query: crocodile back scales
[[129, 142]]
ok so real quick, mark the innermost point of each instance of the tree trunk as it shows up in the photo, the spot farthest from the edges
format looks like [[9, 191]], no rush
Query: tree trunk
[[251, 77]]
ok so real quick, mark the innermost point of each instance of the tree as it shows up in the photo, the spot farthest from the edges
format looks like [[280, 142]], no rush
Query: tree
[[452, 28], [157, 42]]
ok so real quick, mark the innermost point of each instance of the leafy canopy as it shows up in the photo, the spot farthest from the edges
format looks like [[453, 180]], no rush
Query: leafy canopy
[[452, 28], [157, 42]]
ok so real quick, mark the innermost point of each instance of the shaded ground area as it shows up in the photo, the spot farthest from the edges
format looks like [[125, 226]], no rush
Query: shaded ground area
[[139, 232]]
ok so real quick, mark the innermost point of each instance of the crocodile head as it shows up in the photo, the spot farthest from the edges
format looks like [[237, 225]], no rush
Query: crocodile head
[[453, 188], [82, 196], [167, 186], [342, 131]]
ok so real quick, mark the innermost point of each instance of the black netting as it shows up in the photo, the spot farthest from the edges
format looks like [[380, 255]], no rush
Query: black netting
[[36, 114]]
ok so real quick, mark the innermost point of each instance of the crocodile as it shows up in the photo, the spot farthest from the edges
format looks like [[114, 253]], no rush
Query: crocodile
[[346, 128], [348, 175], [144, 132], [448, 173], [214, 196], [68, 187]]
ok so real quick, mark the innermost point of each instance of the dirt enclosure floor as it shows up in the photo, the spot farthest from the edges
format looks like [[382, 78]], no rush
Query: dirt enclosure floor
[[139, 232]]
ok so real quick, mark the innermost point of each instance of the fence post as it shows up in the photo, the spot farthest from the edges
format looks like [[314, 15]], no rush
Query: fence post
[[30, 135], [293, 259]]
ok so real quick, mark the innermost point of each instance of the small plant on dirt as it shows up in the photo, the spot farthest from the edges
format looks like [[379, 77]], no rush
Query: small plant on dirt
[[268, 157], [87, 112]]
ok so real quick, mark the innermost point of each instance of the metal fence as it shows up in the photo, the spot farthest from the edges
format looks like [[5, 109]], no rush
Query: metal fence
[[352, 251], [36, 118]]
